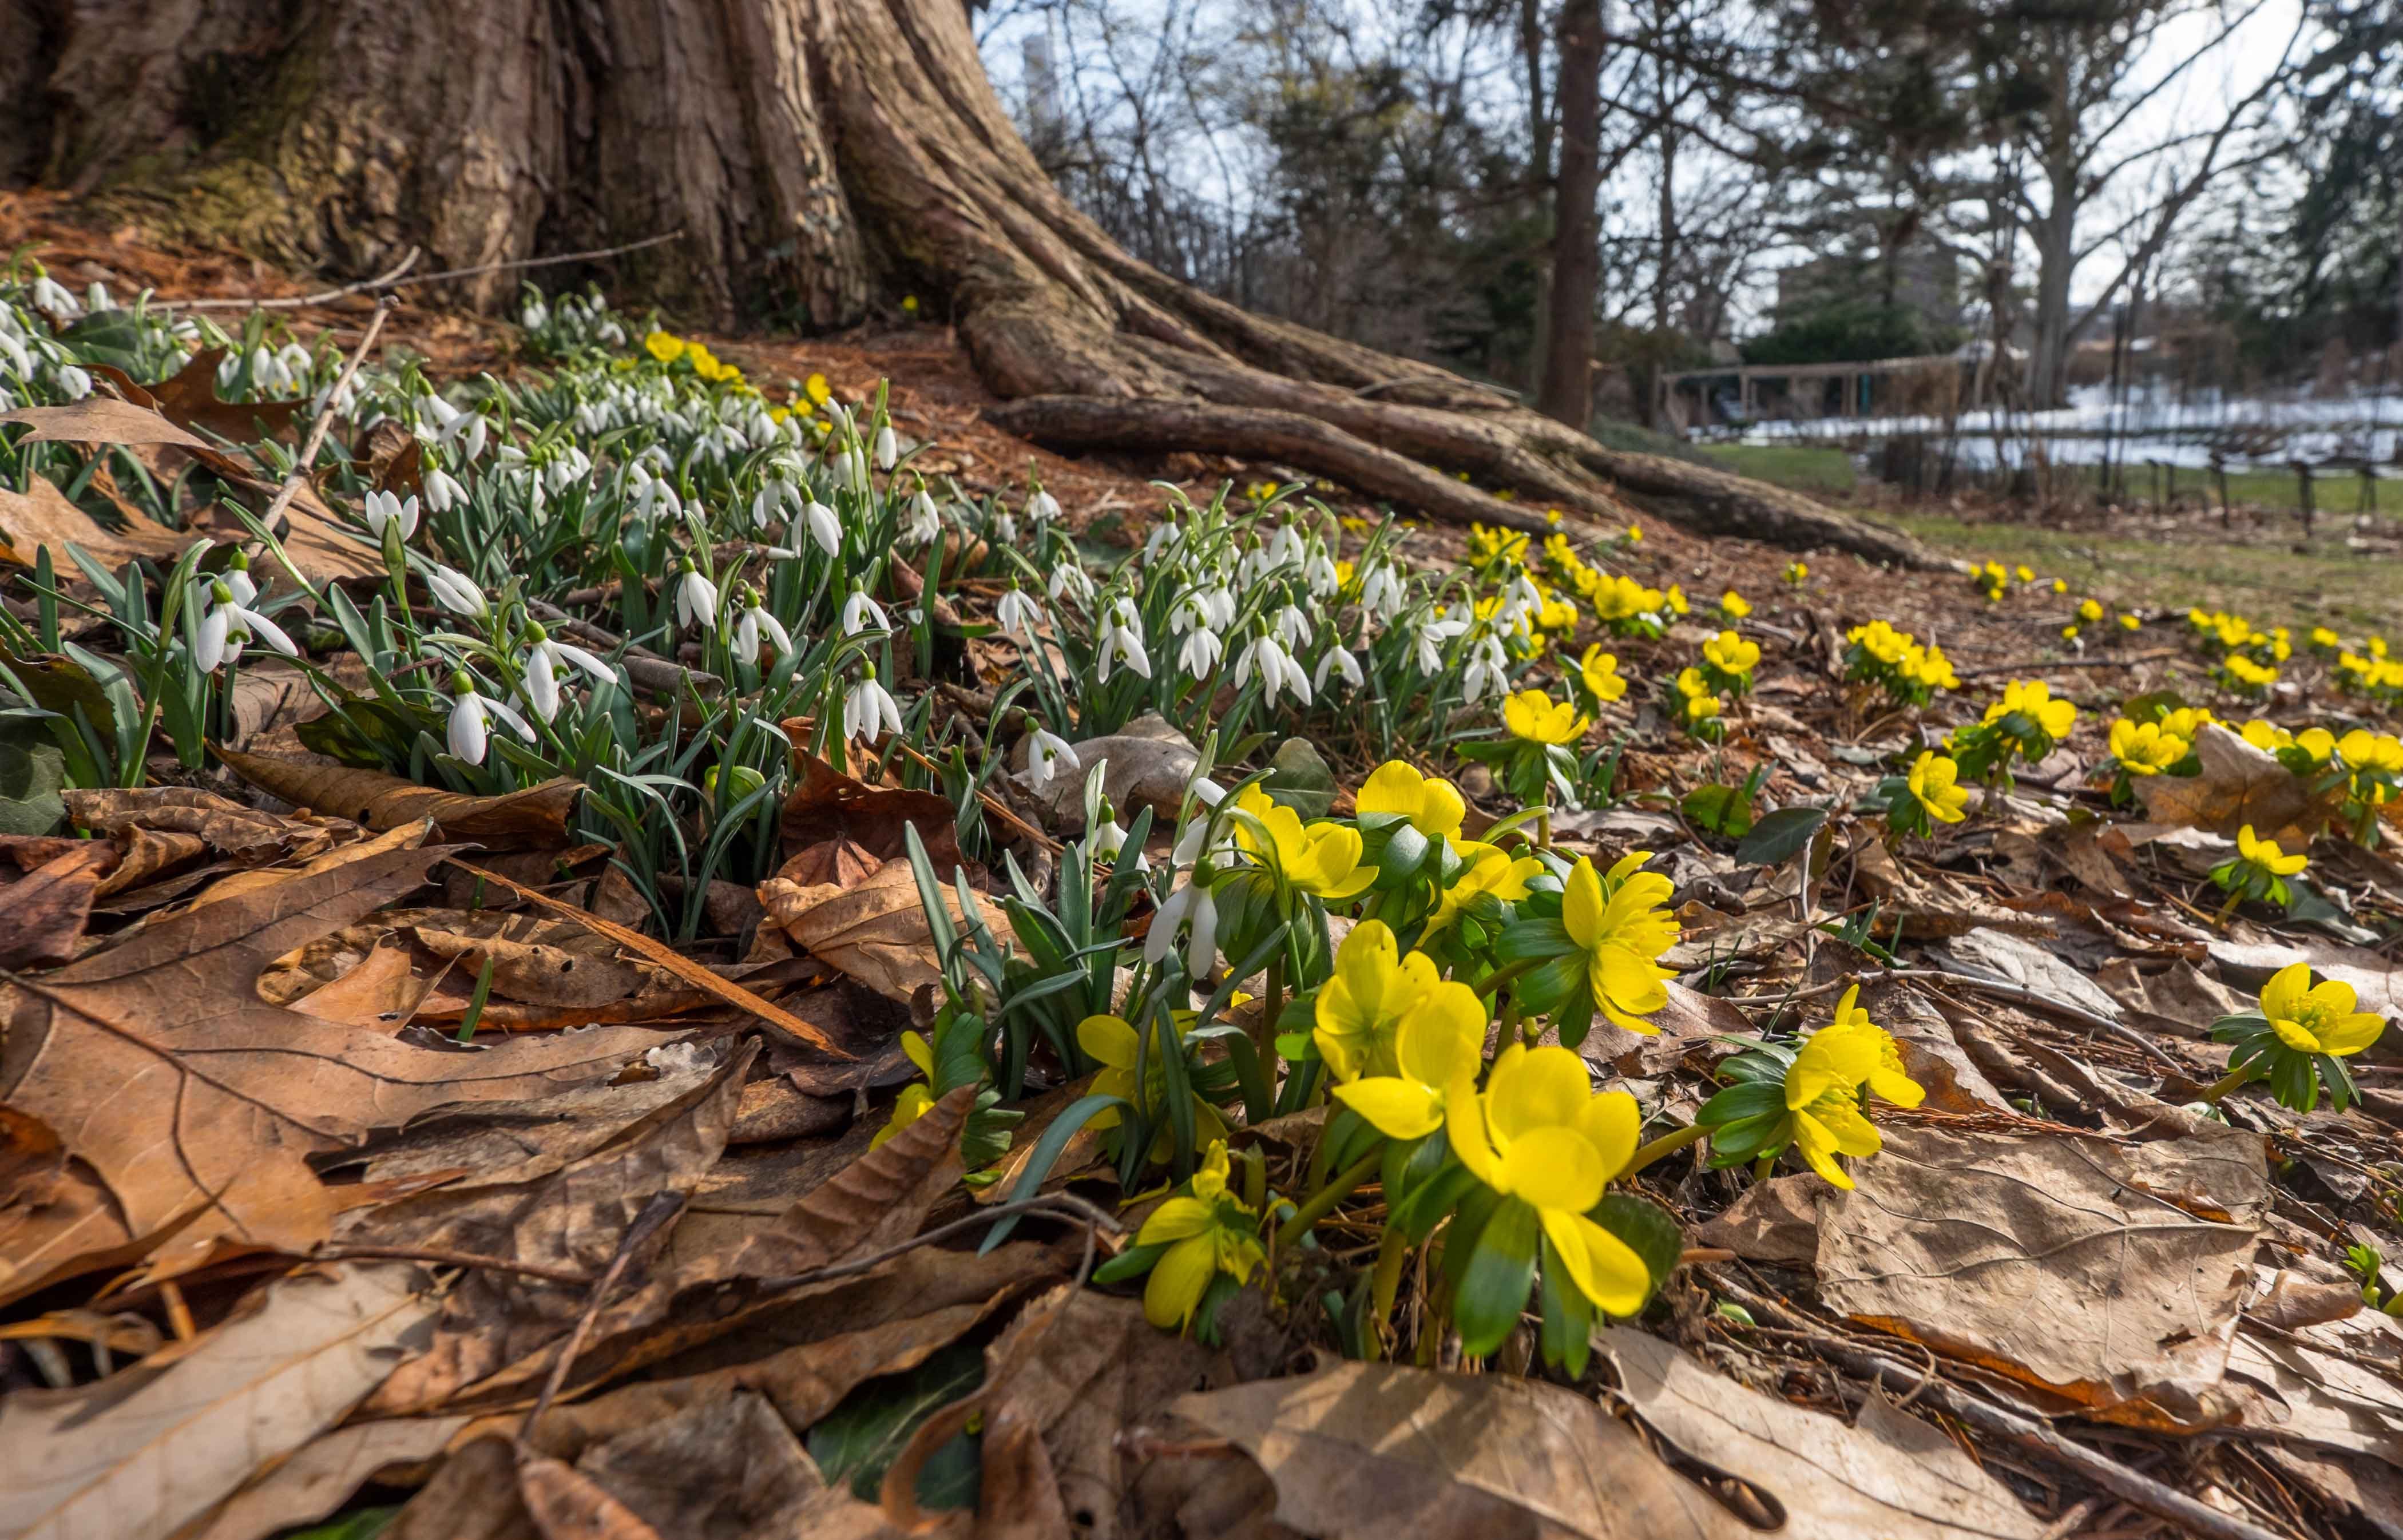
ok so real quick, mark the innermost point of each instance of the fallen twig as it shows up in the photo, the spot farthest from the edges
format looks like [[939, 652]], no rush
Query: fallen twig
[[384, 279], [392, 279], [2050, 665], [445, 1257], [2020, 995], [663, 1207], [1059, 1205]]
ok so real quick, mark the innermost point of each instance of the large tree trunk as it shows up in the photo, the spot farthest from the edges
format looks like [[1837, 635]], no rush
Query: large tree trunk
[[1567, 392], [818, 158]]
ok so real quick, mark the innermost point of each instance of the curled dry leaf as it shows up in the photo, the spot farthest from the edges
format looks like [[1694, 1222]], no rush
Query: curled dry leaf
[[150, 1450], [535, 817], [537, 972], [828, 805], [724, 1468], [225, 826], [43, 912], [875, 932], [167, 1081], [567, 1504], [100, 419], [1889, 1475]]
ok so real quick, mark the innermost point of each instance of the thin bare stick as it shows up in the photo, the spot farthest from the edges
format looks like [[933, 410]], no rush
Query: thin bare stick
[[1059, 1205], [2042, 666], [300, 467], [445, 1257], [663, 1207], [2033, 1001], [382, 280], [392, 279]]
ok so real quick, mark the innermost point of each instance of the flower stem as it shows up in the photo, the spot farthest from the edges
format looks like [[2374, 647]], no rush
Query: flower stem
[[1392, 1252], [1500, 976], [1322, 1203], [1272, 1008], [1762, 1167], [1668, 1143], [2227, 1083]]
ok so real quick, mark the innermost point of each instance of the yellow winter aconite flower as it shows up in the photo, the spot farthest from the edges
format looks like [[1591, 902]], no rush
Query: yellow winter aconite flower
[[2186, 722], [1213, 1231], [1537, 718], [1730, 653], [2317, 1019], [1634, 533], [1798, 573], [1618, 922], [2147, 749], [1600, 671], [2324, 639], [917, 1096], [2060, 585], [1931, 786], [1823, 1099], [2090, 611], [664, 346], [1438, 1044], [2131, 623], [1360, 1007], [2265, 855], [1887, 1079], [2033, 699], [1881, 640], [1433, 806], [2026, 573], [1322, 858], [1111, 1042], [909, 304], [1540, 1134], [1733, 607], [1490, 869], [819, 392], [2266, 736]]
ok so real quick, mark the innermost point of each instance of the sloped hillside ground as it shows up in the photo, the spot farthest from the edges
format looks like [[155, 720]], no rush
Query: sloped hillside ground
[[685, 938]]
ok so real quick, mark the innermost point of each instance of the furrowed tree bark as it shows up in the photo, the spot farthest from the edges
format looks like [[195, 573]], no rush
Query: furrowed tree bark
[[1567, 394], [823, 158]]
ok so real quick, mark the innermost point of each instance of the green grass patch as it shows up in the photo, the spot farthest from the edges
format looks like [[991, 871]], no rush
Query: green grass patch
[[2270, 585], [1798, 467]]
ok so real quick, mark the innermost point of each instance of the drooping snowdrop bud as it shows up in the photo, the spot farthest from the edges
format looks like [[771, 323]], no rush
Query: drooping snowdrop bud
[[1041, 506], [696, 597], [470, 713], [1201, 652], [442, 492], [52, 296], [230, 624], [888, 448], [457, 592], [1190, 910], [1278, 671], [824, 527], [1293, 626], [1380, 592], [544, 658], [73, 383], [1070, 580]]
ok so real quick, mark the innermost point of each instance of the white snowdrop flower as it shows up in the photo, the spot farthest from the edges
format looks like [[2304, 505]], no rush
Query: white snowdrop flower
[[696, 598], [1122, 640], [869, 706], [924, 522], [1070, 580], [341, 394], [1428, 640], [457, 592], [888, 448], [824, 527], [73, 383], [1380, 592], [228, 624], [1191, 909], [1201, 652], [1042, 506], [1164, 537], [471, 714], [1019, 614], [1520, 599], [544, 663], [854, 470], [382, 509], [296, 364], [13, 359], [756, 626], [1293, 626], [52, 297], [862, 614], [1004, 528], [237, 579], [1285, 546], [1047, 754], [535, 315], [1339, 662], [96, 299], [1279, 673], [566, 468], [655, 496], [1318, 573], [443, 491], [1108, 839], [1488, 670]]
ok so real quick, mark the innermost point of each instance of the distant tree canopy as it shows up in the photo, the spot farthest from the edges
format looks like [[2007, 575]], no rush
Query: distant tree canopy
[[1848, 331]]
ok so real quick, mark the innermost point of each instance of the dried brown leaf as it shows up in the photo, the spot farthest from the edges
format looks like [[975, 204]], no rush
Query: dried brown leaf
[[1889, 1475], [535, 817], [876, 932], [195, 1102], [569, 1505], [144, 1452], [44, 516], [323, 1475], [829, 804], [2239, 784], [99, 420], [43, 913]]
